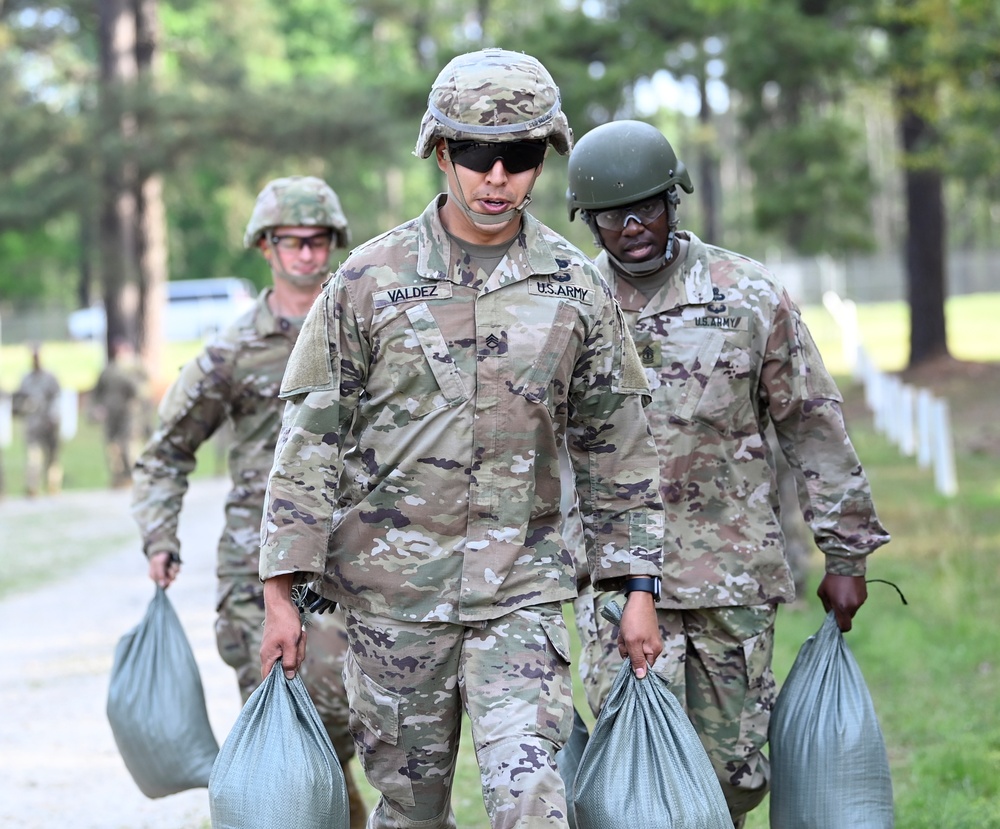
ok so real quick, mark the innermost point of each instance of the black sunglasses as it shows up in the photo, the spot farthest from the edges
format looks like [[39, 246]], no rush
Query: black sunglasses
[[480, 156]]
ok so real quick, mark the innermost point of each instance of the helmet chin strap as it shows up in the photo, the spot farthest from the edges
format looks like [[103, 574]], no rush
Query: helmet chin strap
[[487, 218], [649, 266]]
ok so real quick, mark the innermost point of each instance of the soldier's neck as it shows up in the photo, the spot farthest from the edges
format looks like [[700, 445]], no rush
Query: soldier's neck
[[292, 301]]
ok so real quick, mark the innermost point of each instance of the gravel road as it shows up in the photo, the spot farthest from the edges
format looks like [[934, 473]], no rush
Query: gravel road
[[59, 765]]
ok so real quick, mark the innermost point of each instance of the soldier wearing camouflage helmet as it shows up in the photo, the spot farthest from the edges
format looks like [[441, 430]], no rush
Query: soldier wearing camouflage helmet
[[233, 385], [726, 353], [417, 480]]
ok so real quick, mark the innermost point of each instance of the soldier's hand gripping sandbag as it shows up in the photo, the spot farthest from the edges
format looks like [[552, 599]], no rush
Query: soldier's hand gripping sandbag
[[644, 766], [156, 705], [277, 768], [829, 767]]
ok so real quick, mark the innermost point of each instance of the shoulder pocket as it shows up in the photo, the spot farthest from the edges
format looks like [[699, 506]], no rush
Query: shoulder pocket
[[631, 373], [313, 365]]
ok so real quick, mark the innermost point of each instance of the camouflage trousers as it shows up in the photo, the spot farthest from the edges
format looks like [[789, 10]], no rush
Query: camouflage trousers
[[120, 452], [408, 684], [239, 628], [717, 662], [42, 465]]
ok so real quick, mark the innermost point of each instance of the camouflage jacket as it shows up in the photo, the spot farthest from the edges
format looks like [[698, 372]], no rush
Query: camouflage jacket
[[725, 351], [233, 383], [417, 473], [37, 400], [116, 399]]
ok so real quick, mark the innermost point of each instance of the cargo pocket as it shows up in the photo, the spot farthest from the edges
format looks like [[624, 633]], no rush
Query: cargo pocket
[[757, 654], [555, 701], [374, 725]]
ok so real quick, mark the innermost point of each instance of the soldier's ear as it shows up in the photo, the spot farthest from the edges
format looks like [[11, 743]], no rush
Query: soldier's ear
[[441, 154]]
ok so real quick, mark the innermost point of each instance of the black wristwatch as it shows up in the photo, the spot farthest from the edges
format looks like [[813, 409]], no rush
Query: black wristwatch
[[647, 584]]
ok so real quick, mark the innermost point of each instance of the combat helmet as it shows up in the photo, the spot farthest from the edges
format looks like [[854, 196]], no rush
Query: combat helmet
[[619, 163], [494, 95], [297, 201]]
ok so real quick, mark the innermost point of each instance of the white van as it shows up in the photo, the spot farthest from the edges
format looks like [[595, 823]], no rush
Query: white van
[[196, 309]]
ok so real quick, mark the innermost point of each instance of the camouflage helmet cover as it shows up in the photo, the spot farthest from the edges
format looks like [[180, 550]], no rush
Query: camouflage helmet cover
[[620, 163], [297, 201], [494, 95]]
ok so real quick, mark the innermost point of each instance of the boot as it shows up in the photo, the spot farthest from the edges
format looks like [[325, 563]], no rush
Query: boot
[[355, 803]]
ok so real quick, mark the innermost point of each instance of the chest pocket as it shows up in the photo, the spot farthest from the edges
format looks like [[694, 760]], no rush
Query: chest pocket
[[707, 377], [543, 367], [424, 374]]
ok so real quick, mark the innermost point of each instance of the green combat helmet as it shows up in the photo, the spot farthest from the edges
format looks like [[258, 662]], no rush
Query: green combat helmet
[[494, 95], [621, 163], [297, 201]]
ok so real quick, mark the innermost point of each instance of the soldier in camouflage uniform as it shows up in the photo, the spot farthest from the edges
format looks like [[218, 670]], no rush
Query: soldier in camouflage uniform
[[416, 481], [234, 383], [117, 402], [726, 353], [37, 401]]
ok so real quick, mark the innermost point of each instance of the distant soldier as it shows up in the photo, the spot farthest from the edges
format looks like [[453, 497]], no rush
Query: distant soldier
[[37, 401], [234, 383], [118, 403]]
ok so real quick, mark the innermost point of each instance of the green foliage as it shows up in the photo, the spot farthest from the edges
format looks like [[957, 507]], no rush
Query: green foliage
[[252, 90], [810, 188]]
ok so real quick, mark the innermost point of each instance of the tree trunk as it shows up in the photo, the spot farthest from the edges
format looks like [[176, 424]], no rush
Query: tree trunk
[[117, 209], [151, 223], [707, 169], [925, 243], [917, 108]]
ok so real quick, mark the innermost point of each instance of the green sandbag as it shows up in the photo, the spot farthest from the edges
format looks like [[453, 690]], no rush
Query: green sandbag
[[156, 705], [829, 767], [277, 768], [644, 766], [568, 761]]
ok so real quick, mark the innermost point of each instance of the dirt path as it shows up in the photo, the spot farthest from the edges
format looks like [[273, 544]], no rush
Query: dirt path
[[59, 765]]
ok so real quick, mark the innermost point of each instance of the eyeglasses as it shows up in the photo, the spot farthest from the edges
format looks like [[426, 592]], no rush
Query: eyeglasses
[[480, 156], [645, 214], [318, 243]]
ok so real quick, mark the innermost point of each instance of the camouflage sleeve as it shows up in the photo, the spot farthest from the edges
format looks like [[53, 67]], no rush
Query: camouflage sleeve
[[320, 386], [804, 403], [194, 407], [613, 456]]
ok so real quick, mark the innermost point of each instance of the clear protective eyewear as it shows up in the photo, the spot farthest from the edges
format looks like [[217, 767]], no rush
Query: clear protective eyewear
[[618, 218], [320, 243]]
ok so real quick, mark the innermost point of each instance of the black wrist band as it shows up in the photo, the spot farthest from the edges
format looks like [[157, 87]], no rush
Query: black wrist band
[[645, 584]]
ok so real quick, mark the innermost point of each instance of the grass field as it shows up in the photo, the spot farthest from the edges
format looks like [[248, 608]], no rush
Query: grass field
[[933, 665]]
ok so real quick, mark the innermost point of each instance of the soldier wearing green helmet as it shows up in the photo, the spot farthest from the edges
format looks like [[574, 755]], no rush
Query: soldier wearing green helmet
[[417, 480], [233, 385], [726, 354]]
